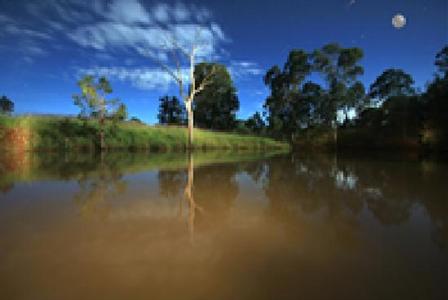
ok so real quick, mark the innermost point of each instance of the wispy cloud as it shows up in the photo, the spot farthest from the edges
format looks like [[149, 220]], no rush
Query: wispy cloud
[[151, 30], [15, 30], [241, 69], [5, 19], [142, 78], [131, 28], [157, 79], [128, 12]]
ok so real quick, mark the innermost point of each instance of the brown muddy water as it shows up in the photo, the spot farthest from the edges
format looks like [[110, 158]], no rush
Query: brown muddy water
[[222, 226]]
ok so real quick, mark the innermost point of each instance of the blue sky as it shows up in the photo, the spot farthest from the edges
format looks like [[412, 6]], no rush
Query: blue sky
[[47, 44]]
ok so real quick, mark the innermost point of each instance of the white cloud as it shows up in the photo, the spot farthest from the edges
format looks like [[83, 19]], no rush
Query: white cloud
[[34, 50], [202, 14], [15, 30], [5, 19], [142, 78], [129, 25], [181, 12], [107, 36], [161, 13], [128, 11], [241, 69]]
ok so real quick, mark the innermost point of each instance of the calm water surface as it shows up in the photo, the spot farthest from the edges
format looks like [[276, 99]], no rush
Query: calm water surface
[[168, 227]]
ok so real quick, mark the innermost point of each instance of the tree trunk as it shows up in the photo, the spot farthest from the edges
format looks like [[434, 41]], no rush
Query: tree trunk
[[102, 142], [189, 197], [102, 121], [190, 125]]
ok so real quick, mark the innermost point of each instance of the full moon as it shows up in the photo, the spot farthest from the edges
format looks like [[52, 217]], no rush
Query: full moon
[[398, 21]]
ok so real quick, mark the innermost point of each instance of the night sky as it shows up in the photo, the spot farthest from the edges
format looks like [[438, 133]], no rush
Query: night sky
[[46, 45]]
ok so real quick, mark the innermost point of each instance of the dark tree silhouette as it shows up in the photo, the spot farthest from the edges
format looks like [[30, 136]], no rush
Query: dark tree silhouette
[[392, 83], [255, 123], [6, 105], [216, 105], [171, 111], [442, 61]]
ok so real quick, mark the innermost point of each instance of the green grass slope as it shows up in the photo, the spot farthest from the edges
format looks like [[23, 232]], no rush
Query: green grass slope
[[54, 133]]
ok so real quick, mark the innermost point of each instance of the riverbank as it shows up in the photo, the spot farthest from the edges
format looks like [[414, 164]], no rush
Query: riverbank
[[370, 140], [53, 133]]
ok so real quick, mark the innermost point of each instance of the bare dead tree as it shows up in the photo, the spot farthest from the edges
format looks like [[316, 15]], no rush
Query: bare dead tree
[[177, 51]]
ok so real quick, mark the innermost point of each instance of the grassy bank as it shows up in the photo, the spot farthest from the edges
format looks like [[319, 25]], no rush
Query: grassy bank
[[52, 133]]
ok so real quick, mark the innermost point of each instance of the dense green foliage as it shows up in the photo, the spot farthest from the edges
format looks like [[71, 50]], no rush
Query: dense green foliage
[[93, 103], [296, 104], [60, 134], [255, 123], [6, 105], [216, 105], [121, 113], [92, 99], [391, 115], [171, 111]]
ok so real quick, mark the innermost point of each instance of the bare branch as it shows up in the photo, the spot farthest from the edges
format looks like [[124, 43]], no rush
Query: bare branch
[[206, 81], [175, 45], [169, 71]]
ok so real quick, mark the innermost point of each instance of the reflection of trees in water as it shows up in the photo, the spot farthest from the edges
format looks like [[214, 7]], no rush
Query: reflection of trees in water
[[309, 185], [256, 170], [171, 183], [207, 191], [96, 186], [386, 187], [434, 198], [340, 188]]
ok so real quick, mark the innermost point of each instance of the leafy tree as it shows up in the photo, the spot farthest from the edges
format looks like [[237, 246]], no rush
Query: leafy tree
[[216, 104], [442, 61], [314, 98], [136, 120], [121, 113], [285, 106], [370, 117], [171, 111], [435, 128], [6, 105], [392, 83], [340, 69], [255, 123], [402, 116], [356, 98], [92, 101], [296, 68]]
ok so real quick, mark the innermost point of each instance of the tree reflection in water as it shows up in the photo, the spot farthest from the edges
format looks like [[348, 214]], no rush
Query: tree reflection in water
[[208, 192], [189, 197], [340, 190], [96, 186], [170, 185]]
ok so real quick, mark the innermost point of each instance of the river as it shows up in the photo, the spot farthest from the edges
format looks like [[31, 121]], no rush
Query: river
[[223, 226]]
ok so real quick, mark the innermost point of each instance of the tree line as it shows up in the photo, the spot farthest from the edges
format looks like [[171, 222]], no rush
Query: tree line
[[297, 109]]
